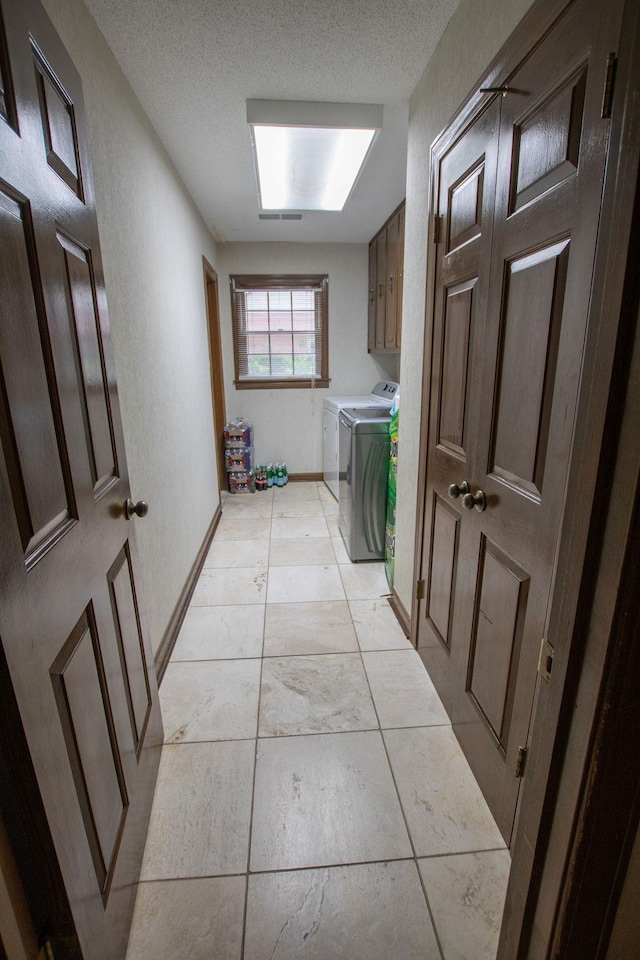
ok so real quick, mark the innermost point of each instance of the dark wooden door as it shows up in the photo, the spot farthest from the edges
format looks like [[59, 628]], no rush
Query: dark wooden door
[[520, 218], [71, 617]]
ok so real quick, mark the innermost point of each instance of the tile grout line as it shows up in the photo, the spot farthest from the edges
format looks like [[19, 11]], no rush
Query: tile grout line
[[255, 753], [320, 866], [406, 822], [255, 764]]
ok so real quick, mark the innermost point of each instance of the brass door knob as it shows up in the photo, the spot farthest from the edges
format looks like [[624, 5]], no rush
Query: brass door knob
[[139, 509], [478, 500], [458, 490]]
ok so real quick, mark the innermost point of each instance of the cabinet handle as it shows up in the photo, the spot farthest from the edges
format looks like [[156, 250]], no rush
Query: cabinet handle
[[372, 294], [390, 284], [381, 290]]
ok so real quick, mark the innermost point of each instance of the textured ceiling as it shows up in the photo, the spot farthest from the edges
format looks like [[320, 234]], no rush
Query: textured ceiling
[[194, 63]]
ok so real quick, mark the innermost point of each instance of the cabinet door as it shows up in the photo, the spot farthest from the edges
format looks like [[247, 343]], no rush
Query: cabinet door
[[400, 274], [381, 270], [372, 298], [391, 285]]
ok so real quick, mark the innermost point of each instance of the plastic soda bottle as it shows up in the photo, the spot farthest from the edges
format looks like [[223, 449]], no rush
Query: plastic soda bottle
[[285, 474], [270, 475], [279, 475]]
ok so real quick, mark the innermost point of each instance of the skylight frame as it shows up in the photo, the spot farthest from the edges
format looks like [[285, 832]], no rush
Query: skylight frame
[[314, 120]]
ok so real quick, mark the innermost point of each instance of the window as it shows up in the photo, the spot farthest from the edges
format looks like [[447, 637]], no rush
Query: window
[[280, 331]]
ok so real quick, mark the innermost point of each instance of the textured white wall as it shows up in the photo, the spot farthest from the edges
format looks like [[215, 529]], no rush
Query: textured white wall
[[153, 240], [473, 37], [288, 423]]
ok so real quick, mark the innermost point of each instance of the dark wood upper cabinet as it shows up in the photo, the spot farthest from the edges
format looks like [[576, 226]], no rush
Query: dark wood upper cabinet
[[386, 258]]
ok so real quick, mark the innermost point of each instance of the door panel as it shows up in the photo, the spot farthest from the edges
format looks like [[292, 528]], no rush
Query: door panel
[[71, 619], [453, 408], [43, 500], [133, 660], [535, 244], [547, 141], [443, 570], [87, 342], [464, 208], [58, 124], [79, 683], [532, 314], [498, 623]]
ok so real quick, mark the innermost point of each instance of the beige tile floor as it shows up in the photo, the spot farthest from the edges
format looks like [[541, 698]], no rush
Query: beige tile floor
[[312, 800]]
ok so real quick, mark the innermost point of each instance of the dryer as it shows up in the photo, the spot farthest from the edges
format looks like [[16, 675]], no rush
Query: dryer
[[382, 395]]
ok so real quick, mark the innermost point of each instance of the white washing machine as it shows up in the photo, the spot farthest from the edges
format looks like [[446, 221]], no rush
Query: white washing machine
[[382, 395]]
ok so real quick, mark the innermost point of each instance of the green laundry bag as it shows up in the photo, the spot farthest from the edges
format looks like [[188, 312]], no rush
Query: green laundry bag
[[390, 527]]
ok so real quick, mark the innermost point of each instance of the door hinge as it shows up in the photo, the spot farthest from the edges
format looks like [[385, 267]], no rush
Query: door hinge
[[609, 84], [545, 662], [420, 590], [521, 761], [437, 228]]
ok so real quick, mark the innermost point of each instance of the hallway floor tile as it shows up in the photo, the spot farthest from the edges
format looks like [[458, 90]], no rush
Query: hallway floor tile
[[325, 800], [378, 909], [321, 694], [308, 628], [312, 800]]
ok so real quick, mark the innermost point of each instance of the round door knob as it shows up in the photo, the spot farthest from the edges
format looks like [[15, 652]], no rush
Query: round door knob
[[139, 509], [479, 501], [460, 490]]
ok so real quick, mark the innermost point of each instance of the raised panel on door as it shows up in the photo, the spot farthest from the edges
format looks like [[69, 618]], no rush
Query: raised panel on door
[[442, 570], [71, 613], [84, 323], [133, 658], [57, 115], [547, 140], [532, 313], [31, 431], [464, 207], [79, 682], [453, 412], [498, 624]]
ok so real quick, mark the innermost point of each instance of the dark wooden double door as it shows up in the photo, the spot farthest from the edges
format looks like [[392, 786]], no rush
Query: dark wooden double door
[[78, 684], [517, 191]]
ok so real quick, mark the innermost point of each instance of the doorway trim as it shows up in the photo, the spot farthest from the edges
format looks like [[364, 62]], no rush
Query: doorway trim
[[212, 304], [560, 761]]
